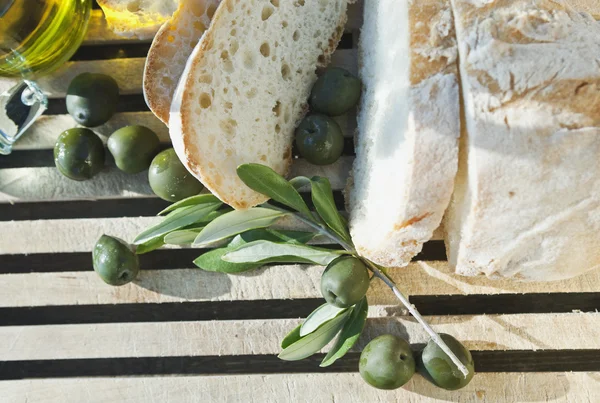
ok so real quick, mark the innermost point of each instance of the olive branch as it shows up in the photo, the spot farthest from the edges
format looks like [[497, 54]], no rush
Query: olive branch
[[247, 241]]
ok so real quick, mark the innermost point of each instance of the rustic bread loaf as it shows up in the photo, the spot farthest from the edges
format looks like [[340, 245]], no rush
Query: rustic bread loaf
[[245, 87], [589, 6], [137, 18], [527, 197], [170, 51], [408, 128]]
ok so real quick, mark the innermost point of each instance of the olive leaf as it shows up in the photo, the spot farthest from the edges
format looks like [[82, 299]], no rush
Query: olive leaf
[[149, 246], [322, 197], [291, 337], [315, 341], [236, 222], [301, 237], [177, 219], [265, 180], [322, 314], [273, 252], [182, 237], [300, 182], [211, 261], [191, 201], [349, 334]]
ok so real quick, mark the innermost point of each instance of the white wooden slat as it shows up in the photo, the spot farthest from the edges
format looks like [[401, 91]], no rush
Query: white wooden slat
[[43, 133], [276, 282], [556, 387], [251, 337], [129, 73], [47, 184], [99, 33]]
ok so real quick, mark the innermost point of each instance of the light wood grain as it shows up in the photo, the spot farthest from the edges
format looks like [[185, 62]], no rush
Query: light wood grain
[[47, 184], [129, 73], [492, 332], [578, 387], [275, 282], [44, 132]]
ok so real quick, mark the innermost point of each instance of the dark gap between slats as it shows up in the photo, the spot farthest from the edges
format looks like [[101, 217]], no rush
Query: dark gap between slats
[[163, 259], [103, 208], [485, 361], [285, 309], [45, 158]]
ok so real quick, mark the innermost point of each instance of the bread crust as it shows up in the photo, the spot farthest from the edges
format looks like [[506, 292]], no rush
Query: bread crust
[[192, 154], [527, 198], [170, 49]]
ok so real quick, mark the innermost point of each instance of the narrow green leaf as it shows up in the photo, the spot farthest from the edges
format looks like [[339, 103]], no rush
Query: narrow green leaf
[[273, 252], [191, 201], [349, 334], [236, 222], [211, 261], [300, 182], [177, 219], [315, 341], [149, 246], [322, 314], [182, 237], [322, 197], [265, 180], [291, 337], [293, 236]]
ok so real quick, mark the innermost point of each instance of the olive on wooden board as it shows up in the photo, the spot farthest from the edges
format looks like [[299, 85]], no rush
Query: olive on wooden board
[[115, 261], [170, 180], [133, 148], [92, 99], [79, 154]]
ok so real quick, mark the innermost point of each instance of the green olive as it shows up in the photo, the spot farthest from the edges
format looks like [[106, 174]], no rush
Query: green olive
[[92, 99], [345, 281], [319, 139], [387, 362], [114, 261], [335, 92], [79, 154], [170, 180], [133, 148], [440, 369]]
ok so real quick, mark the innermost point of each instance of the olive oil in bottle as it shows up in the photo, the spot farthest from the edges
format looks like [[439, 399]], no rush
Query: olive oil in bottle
[[38, 36]]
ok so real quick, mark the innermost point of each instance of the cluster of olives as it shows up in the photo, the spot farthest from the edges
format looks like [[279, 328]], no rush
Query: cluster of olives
[[318, 137], [79, 153], [388, 362]]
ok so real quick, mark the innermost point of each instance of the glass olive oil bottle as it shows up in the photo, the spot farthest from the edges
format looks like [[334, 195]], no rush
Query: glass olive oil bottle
[[38, 36]]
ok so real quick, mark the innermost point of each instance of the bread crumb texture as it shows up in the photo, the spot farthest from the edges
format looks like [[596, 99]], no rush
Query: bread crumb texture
[[247, 88], [527, 198]]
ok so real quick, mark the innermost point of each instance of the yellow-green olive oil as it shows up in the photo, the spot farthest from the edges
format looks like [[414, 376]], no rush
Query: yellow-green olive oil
[[38, 36]]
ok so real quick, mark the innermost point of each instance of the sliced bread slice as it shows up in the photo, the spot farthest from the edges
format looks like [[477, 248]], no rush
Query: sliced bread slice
[[170, 50], [137, 18], [245, 88], [408, 128], [527, 198]]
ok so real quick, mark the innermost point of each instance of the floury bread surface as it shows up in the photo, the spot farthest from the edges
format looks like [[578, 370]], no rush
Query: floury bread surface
[[408, 128], [527, 197]]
